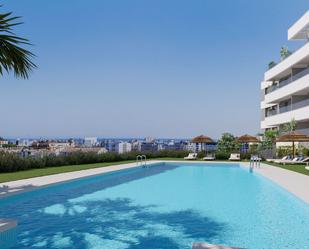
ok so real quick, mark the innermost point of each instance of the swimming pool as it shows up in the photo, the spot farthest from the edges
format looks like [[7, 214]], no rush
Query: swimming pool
[[167, 205]]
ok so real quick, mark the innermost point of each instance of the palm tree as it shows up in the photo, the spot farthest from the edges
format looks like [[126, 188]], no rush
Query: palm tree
[[12, 56]]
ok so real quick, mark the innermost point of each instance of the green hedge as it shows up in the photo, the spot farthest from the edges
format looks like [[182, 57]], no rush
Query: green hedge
[[220, 155], [12, 162]]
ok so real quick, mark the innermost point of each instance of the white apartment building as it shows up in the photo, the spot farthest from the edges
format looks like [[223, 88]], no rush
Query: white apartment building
[[90, 141], [23, 143], [123, 147], [285, 88], [3, 142], [193, 147]]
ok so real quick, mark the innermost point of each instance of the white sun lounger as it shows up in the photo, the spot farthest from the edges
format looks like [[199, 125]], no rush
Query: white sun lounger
[[282, 160], [209, 158], [304, 161], [191, 156], [234, 157]]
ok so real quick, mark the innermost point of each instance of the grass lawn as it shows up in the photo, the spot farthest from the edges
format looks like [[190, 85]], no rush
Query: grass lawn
[[293, 167], [13, 176]]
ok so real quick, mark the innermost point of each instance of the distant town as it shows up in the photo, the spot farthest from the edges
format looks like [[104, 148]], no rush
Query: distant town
[[45, 147]]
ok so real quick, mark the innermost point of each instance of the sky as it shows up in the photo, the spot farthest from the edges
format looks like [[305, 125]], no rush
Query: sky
[[160, 68]]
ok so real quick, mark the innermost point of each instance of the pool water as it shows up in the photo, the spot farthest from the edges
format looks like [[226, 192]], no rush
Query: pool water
[[164, 206]]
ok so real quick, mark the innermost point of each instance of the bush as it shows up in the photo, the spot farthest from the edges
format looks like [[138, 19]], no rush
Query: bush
[[245, 156], [227, 143], [12, 162], [284, 151], [304, 151], [221, 155]]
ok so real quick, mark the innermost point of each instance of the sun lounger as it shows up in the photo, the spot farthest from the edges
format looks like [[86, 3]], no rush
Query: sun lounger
[[209, 158], [191, 156], [234, 157], [296, 160], [304, 161], [282, 160]]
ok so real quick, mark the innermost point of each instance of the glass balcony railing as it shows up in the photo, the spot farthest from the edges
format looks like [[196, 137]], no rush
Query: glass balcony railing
[[271, 89], [300, 104], [270, 113], [285, 109], [287, 81]]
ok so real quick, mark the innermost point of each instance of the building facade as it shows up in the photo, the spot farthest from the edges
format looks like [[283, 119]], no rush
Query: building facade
[[90, 141], [285, 88], [123, 147]]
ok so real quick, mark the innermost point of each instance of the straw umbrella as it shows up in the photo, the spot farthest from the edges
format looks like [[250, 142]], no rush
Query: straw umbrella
[[202, 140], [247, 139], [293, 137]]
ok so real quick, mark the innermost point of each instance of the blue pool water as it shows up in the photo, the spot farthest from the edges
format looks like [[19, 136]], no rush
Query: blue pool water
[[164, 206]]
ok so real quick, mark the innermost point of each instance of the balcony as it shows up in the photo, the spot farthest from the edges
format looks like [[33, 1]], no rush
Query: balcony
[[287, 108], [287, 81], [299, 56], [299, 113]]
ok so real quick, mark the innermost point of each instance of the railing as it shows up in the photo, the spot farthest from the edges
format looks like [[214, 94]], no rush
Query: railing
[[287, 81], [300, 104], [301, 74], [142, 159], [271, 113], [285, 109], [271, 89]]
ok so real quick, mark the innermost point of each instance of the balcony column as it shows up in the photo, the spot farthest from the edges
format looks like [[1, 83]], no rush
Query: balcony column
[[278, 109]]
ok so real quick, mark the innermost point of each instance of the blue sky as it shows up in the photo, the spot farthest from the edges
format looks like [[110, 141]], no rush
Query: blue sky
[[137, 68]]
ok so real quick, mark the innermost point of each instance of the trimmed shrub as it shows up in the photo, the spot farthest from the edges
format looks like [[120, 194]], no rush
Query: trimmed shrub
[[221, 155], [12, 162]]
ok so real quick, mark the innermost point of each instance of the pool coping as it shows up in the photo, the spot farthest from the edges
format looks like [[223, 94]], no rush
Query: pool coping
[[295, 183]]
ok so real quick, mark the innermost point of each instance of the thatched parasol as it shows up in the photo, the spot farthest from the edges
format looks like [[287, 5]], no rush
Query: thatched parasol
[[293, 137], [202, 140], [247, 139]]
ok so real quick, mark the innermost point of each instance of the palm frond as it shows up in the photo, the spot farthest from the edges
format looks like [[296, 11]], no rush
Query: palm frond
[[13, 57]]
